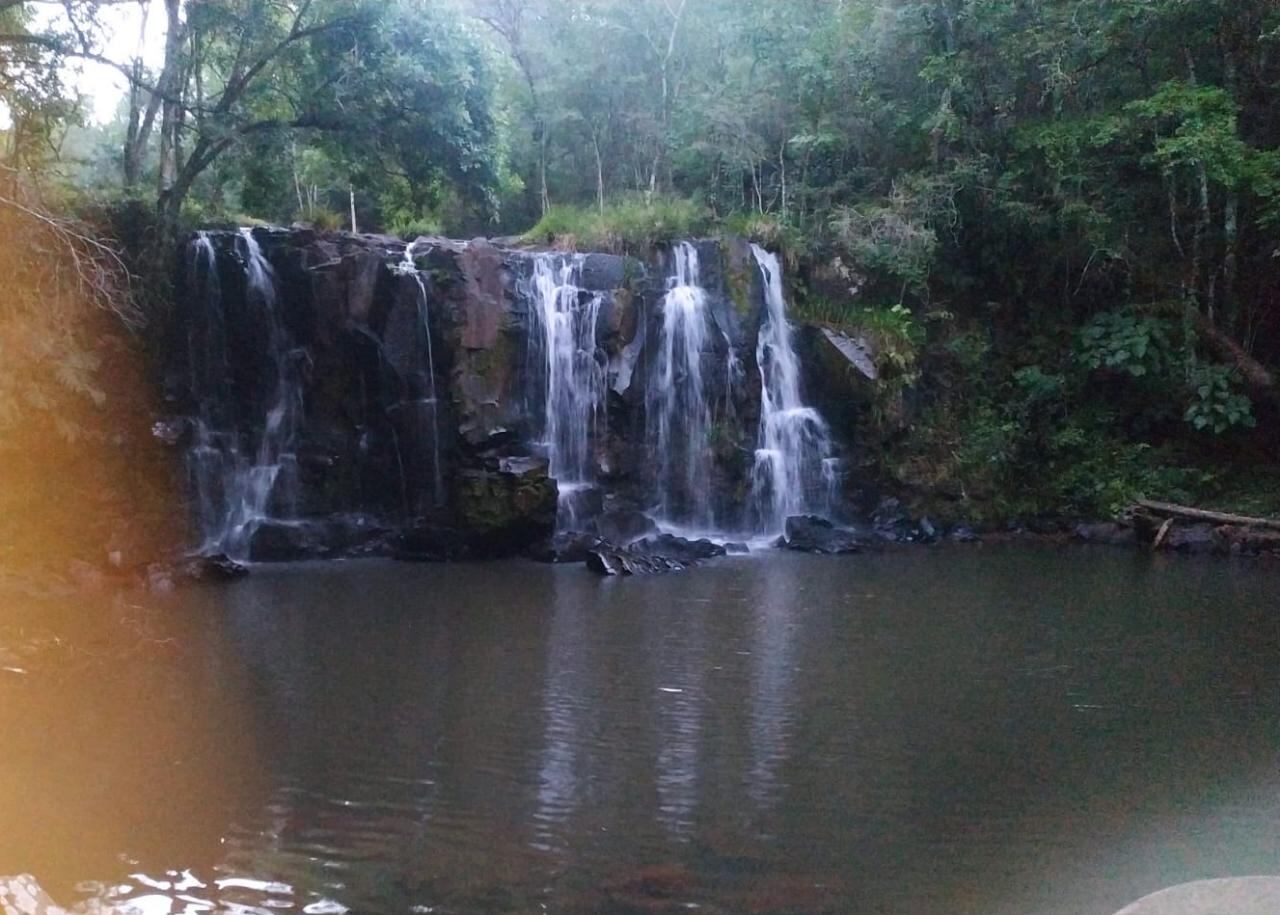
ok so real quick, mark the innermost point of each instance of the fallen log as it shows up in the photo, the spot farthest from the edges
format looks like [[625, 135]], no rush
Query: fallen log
[[1199, 514]]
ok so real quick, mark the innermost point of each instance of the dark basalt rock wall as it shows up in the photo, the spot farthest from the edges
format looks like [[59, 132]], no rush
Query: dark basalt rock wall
[[464, 471]]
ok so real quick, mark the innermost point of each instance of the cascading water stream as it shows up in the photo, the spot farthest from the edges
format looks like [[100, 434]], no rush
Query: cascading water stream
[[565, 357], [238, 485], [793, 472], [431, 402], [678, 409]]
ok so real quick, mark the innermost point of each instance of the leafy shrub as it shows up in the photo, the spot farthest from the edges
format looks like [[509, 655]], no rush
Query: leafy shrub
[[1126, 341], [897, 236], [1215, 405]]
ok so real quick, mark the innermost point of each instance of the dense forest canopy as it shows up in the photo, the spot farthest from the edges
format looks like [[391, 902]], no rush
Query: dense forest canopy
[[1058, 218]]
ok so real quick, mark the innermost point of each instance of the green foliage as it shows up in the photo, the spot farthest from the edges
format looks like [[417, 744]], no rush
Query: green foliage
[[412, 227], [631, 226], [1196, 126], [324, 219], [1126, 341], [895, 237], [1216, 406], [772, 233]]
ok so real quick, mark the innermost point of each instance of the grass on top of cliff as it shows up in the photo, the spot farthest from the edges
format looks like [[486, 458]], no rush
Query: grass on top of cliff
[[628, 226]]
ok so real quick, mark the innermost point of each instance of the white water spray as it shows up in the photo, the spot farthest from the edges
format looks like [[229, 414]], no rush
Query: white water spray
[[678, 409], [792, 475], [573, 374], [239, 486], [431, 403]]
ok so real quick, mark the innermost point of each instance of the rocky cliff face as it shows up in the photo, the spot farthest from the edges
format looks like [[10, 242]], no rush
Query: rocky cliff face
[[343, 395]]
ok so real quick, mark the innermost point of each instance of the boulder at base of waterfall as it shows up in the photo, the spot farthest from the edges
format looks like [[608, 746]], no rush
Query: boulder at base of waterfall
[[426, 542], [652, 555], [504, 513], [568, 549], [807, 534], [624, 527], [668, 546], [613, 562], [295, 541]]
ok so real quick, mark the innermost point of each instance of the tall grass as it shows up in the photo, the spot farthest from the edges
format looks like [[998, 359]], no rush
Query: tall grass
[[628, 226]]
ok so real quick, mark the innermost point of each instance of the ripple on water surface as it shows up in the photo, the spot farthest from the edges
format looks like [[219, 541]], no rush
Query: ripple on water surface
[[982, 731]]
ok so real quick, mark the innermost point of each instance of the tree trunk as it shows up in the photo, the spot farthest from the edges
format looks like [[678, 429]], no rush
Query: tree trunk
[[544, 197], [1199, 514], [595, 142], [1259, 379], [170, 107], [782, 175], [138, 133]]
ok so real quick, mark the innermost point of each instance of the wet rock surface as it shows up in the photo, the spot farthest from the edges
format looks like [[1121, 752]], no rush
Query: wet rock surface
[[652, 555], [296, 541], [415, 367], [807, 534], [569, 548], [613, 562]]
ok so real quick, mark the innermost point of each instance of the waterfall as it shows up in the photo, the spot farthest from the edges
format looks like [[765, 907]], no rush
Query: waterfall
[[211, 457], [238, 485], [679, 412], [572, 374], [793, 472], [431, 402]]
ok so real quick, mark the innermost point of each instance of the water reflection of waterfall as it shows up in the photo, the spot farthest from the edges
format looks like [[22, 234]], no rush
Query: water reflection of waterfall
[[569, 373], [678, 408], [773, 687], [791, 475], [567, 720], [680, 697]]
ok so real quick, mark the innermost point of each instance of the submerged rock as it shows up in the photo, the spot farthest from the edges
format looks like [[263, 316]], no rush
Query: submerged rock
[[807, 534]]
